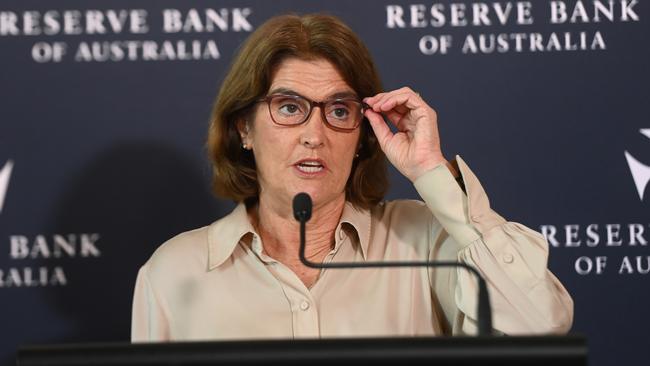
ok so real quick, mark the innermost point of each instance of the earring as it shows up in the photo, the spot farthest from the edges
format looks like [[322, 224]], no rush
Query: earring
[[244, 146]]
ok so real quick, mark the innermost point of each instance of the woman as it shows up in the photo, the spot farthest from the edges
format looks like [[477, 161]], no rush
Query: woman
[[301, 111]]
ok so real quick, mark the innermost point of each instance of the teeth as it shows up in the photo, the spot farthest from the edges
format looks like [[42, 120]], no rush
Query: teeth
[[310, 163], [309, 169]]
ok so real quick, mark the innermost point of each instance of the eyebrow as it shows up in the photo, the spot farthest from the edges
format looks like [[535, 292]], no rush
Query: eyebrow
[[337, 95]]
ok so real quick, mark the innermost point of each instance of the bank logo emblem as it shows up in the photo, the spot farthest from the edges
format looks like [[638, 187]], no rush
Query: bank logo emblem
[[5, 174], [640, 171]]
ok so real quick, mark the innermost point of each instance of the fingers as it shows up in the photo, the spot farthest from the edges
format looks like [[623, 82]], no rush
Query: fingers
[[401, 97], [401, 103], [377, 97], [395, 118], [397, 104], [395, 107], [381, 129]]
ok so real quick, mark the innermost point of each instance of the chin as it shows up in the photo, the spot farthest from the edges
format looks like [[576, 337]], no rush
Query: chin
[[320, 193], [319, 197], [314, 193]]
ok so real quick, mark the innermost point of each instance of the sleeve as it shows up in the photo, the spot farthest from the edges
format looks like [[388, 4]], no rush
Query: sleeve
[[526, 298], [148, 322]]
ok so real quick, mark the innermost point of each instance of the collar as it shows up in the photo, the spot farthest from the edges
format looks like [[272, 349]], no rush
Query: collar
[[359, 221], [225, 234]]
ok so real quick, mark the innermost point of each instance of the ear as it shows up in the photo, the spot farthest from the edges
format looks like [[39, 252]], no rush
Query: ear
[[243, 129]]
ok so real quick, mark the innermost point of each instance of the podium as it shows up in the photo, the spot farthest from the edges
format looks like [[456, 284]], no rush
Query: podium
[[499, 350]]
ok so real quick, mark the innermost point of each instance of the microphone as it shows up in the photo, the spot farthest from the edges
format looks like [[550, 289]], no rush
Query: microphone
[[302, 212], [302, 207]]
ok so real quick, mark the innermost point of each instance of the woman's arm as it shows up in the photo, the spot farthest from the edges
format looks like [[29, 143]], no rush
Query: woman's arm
[[148, 322], [525, 296]]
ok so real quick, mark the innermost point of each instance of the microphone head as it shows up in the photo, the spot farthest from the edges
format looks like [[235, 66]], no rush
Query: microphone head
[[302, 207]]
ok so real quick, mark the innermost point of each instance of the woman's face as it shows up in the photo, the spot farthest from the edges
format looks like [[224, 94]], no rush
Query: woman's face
[[310, 157]]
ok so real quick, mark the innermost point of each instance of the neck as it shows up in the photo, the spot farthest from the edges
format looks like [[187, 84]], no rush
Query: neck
[[280, 231]]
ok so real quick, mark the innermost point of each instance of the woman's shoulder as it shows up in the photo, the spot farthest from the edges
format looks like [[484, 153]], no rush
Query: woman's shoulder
[[192, 249], [180, 250]]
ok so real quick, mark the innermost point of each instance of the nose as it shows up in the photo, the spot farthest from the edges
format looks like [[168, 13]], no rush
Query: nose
[[314, 129]]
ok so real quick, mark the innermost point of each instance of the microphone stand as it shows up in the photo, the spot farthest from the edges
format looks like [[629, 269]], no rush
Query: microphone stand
[[302, 212]]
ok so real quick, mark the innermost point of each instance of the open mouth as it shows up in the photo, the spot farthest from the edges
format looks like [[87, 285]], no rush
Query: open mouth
[[310, 166]]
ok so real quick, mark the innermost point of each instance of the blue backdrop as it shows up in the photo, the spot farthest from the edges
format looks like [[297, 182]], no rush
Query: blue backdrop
[[104, 111]]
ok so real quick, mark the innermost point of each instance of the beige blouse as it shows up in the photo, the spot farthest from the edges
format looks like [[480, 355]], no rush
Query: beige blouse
[[216, 283]]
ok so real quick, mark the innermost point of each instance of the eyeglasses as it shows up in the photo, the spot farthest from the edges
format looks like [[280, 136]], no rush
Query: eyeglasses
[[343, 114]]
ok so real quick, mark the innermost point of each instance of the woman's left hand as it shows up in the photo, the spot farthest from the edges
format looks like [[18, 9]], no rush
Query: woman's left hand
[[415, 148]]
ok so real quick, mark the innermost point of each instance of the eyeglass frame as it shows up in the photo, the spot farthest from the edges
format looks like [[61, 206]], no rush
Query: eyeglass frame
[[267, 99]]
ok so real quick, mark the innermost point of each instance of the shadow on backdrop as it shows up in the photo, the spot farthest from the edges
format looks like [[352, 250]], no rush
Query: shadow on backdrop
[[133, 197]]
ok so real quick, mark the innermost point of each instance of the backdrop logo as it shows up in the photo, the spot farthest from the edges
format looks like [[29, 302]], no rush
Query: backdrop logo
[[498, 27], [124, 34], [640, 171], [5, 174]]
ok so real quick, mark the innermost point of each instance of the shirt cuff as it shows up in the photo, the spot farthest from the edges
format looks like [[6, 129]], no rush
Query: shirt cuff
[[448, 203]]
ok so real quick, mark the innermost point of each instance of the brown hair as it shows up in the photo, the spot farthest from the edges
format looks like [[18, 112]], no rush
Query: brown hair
[[304, 37]]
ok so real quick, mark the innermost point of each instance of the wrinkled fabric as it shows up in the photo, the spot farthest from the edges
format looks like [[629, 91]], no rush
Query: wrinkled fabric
[[216, 282]]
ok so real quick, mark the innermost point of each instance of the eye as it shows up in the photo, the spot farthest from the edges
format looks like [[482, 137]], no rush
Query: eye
[[339, 110], [289, 108]]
